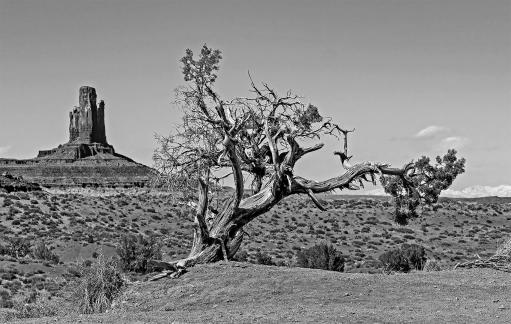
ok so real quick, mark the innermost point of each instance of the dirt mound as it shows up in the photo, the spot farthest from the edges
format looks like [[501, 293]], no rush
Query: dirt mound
[[239, 292]]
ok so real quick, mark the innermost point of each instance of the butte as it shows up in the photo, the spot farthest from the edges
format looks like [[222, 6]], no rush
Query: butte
[[86, 160]]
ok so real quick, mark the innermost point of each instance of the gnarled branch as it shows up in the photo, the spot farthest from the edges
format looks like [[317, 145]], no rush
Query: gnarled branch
[[301, 185]]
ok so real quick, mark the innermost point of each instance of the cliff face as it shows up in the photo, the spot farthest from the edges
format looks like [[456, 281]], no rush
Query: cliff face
[[100, 133], [87, 121]]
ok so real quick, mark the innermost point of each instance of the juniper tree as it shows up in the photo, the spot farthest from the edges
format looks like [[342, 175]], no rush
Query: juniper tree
[[257, 141]]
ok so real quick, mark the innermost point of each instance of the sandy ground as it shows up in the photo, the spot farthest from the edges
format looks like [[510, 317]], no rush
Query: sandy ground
[[239, 292]]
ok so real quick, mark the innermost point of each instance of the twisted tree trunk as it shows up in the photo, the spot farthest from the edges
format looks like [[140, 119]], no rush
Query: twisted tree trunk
[[222, 237]]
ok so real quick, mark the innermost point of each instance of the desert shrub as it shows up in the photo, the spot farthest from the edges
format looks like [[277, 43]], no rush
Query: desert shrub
[[18, 247], [415, 254], [241, 256], [98, 286], [42, 252], [33, 307], [322, 256], [135, 252], [431, 265], [263, 258], [4, 250], [504, 248], [5, 299], [87, 263], [32, 297], [403, 259], [394, 260], [8, 276]]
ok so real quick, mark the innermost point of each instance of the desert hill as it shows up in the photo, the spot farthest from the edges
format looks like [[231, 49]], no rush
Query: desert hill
[[240, 293], [79, 224]]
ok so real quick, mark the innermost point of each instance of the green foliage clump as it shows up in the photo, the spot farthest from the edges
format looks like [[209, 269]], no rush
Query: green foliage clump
[[422, 182], [322, 256], [135, 252], [99, 285], [202, 71], [403, 259]]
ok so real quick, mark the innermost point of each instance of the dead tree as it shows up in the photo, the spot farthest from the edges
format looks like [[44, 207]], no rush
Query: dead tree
[[256, 140]]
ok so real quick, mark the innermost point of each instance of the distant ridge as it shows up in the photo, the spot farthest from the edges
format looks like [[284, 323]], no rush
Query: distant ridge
[[488, 199]]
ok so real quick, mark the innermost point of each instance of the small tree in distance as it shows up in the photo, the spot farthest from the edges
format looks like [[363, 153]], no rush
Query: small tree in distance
[[257, 140]]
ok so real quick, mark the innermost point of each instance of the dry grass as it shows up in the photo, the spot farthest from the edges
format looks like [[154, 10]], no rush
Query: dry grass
[[431, 265], [501, 260], [38, 309], [99, 285], [505, 248]]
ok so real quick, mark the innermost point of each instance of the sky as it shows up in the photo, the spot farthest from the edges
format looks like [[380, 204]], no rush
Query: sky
[[413, 77]]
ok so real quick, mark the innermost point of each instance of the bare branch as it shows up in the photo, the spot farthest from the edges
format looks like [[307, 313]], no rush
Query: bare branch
[[202, 206], [236, 170], [272, 145], [315, 200], [301, 185]]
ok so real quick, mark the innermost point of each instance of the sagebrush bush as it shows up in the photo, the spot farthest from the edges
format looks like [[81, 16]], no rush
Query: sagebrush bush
[[431, 265], [4, 250], [5, 299], [241, 256], [98, 285], [135, 251], [403, 259], [18, 247], [263, 258], [33, 307], [394, 260], [504, 248], [415, 254], [322, 256], [42, 252]]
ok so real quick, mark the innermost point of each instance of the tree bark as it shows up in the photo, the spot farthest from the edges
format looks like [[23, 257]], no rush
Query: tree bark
[[227, 227]]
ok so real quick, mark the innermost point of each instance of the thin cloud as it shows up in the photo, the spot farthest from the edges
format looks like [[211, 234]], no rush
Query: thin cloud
[[455, 142], [4, 149], [430, 131], [469, 192], [479, 191]]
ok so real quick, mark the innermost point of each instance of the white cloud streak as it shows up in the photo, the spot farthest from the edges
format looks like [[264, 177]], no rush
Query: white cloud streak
[[455, 142], [469, 192], [430, 131], [479, 191]]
